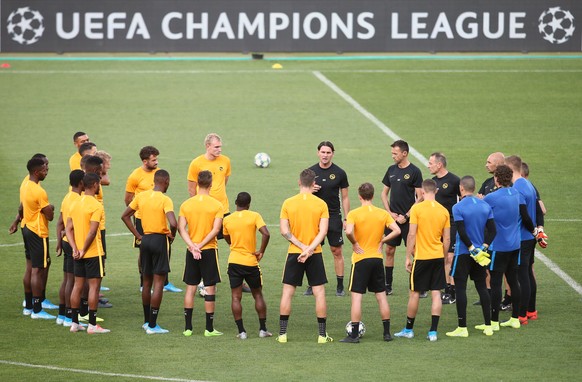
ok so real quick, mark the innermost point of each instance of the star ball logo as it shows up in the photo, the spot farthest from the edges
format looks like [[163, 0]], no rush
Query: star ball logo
[[556, 25], [25, 26]]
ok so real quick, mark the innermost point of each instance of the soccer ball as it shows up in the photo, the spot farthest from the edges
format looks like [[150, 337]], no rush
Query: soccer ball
[[262, 160], [25, 26], [361, 329], [556, 25]]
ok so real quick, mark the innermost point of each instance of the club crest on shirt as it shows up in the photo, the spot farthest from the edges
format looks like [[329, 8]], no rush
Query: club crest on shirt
[[332, 176], [407, 176], [445, 185], [221, 168]]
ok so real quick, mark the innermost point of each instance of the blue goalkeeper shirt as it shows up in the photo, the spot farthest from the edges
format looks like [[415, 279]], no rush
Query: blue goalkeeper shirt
[[505, 205], [528, 191], [474, 213]]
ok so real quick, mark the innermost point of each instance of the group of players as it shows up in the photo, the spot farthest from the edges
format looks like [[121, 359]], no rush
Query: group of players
[[449, 234]]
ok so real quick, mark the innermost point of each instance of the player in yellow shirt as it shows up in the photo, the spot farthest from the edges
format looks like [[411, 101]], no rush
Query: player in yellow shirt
[[199, 222], [83, 234], [240, 229], [63, 246], [304, 220], [365, 230], [157, 210], [428, 243], [78, 139], [35, 214]]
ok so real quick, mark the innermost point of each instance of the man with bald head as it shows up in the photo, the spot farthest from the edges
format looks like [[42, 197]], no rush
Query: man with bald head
[[493, 160]]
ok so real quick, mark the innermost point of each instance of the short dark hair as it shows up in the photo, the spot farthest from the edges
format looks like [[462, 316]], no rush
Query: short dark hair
[[366, 191], [504, 175], [468, 183], [307, 177], [93, 164], [205, 179], [34, 164], [525, 169], [402, 145], [39, 155], [514, 162], [77, 135], [90, 179], [243, 200], [76, 177], [161, 176], [86, 147], [429, 185], [440, 157], [326, 143], [147, 151]]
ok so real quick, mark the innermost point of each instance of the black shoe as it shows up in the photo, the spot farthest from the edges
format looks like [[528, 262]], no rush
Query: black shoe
[[308, 291], [387, 337], [388, 290], [424, 294], [340, 292], [447, 299], [350, 340], [478, 302], [505, 308]]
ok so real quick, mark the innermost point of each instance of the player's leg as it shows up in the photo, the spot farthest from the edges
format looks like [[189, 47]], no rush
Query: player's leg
[[236, 306], [146, 295], [254, 280], [355, 317], [76, 292], [532, 313], [27, 284], [315, 272], [211, 277], [62, 304], [523, 275], [158, 266], [292, 277], [94, 287], [389, 268], [285, 307], [338, 261], [460, 275], [191, 278]]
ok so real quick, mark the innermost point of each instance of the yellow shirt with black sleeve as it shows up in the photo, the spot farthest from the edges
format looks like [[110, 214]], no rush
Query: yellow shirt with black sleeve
[[200, 212], [369, 224], [242, 228], [34, 198], [75, 161], [86, 210], [153, 206], [220, 169], [431, 219], [138, 181], [304, 211], [68, 201]]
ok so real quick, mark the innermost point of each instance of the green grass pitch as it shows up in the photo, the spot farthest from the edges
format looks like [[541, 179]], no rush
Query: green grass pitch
[[465, 108]]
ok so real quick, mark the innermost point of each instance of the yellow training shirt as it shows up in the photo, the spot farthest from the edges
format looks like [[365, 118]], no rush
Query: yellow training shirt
[[68, 201], [220, 169], [200, 212], [34, 198], [75, 161], [431, 219], [138, 181], [242, 228], [153, 206], [369, 223], [304, 212], [86, 210]]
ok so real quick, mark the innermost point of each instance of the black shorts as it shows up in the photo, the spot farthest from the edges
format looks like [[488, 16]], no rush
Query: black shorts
[[335, 231], [155, 254], [91, 268], [238, 273], [526, 252], [427, 275], [464, 266], [68, 262], [206, 268], [37, 248], [398, 239], [313, 267], [504, 261], [453, 238], [367, 274], [103, 243], [139, 228], [220, 235]]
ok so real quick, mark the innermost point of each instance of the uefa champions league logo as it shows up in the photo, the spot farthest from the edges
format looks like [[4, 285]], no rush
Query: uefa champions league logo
[[556, 25], [25, 26]]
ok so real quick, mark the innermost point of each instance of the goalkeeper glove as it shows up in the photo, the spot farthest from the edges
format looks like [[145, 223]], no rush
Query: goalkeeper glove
[[480, 255], [542, 238]]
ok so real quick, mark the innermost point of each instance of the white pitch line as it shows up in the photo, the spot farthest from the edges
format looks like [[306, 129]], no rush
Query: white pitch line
[[81, 371], [563, 220], [549, 263]]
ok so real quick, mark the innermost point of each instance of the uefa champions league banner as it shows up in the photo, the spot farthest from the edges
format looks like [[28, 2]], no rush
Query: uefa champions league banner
[[290, 26]]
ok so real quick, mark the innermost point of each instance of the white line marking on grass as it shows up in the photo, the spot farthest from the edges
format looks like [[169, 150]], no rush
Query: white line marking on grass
[[558, 271], [368, 115], [81, 371], [564, 220], [271, 71], [549, 263]]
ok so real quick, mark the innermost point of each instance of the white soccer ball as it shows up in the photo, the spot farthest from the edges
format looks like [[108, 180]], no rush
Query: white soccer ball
[[556, 25], [25, 26], [262, 160], [361, 329]]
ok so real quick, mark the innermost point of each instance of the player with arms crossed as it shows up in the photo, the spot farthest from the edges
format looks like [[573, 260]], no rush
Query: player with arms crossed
[[239, 231], [365, 230], [157, 210], [304, 220]]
